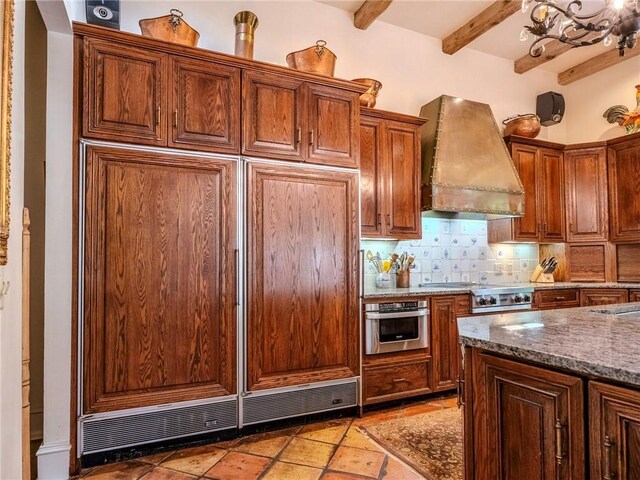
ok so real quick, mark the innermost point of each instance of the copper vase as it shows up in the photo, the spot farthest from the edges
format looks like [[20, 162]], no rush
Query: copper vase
[[246, 24], [402, 279], [368, 98]]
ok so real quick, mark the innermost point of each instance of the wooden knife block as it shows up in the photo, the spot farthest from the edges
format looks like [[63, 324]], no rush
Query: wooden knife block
[[538, 277]]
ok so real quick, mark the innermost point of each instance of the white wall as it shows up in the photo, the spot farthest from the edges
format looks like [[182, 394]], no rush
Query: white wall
[[53, 456], [587, 100], [411, 67], [11, 315]]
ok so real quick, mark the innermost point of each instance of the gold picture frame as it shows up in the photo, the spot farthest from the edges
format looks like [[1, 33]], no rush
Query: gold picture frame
[[7, 11]]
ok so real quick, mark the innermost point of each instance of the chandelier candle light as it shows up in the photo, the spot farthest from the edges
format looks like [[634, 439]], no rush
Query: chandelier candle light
[[551, 21]]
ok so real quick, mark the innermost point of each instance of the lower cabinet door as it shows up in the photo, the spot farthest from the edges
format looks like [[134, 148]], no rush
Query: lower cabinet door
[[529, 422], [444, 342], [634, 295], [302, 267], [614, 419], [159, 279]]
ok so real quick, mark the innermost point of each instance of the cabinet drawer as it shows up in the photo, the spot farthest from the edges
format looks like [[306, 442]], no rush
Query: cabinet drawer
[[395, 381], [603, 296], [565, 298]]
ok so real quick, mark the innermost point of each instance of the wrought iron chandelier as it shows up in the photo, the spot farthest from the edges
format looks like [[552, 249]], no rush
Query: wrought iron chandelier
[[620, 18]]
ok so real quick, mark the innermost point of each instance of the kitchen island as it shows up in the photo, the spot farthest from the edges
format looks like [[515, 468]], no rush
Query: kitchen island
[[552, 394]]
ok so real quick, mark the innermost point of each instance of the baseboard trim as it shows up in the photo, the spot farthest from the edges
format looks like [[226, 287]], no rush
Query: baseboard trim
[[53, 461]]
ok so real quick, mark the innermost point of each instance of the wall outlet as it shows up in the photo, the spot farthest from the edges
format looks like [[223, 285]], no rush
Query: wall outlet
[[499, 267], [509, 267]]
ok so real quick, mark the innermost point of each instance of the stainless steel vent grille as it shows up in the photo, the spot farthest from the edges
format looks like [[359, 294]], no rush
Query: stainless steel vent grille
[[102, 434], [261, 408]]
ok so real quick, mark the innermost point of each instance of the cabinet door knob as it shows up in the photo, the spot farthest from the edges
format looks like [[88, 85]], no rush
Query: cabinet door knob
[[158, 115], [298, 135], [175, 118], [388, 220], [311, 137], [380, 219]]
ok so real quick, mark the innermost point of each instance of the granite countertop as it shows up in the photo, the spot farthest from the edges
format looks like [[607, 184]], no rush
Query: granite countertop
[[596, 341], [425, 291]]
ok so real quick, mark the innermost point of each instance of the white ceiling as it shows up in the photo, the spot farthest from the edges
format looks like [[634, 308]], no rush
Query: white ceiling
[[439, 18]]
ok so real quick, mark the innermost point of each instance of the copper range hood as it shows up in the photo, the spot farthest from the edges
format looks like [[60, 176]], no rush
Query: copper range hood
[[466, 167]]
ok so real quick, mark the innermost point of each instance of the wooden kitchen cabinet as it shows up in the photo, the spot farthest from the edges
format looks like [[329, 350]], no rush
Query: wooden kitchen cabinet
[[124, 93], [204, 106], [290, 119], [401, 379], [614, 420], [527, 422], [556, 298], [540, 168], [623, 161], [390, 167], [585, 172], [444, 340], [302, 300], [140, 96], [634, 295], [603, 296], [160, 279]]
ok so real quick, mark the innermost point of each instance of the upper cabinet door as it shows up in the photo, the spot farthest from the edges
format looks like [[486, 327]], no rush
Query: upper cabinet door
[[333, 126], [371, 184], [402, 145], [624, 188], [552, 196], [160, 279], [528, 228], [273, 116], [205, 106], [586, 195], [124, 93]]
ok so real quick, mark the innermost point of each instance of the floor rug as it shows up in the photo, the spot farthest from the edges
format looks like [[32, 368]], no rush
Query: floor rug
[[430, 442]]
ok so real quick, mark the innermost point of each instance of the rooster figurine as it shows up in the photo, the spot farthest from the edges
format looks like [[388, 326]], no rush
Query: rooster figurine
[[622, 116]]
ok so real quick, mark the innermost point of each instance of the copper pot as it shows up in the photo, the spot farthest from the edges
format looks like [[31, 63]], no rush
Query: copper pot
[[317, 59], [170, 27], [368, 98], [527, 125]]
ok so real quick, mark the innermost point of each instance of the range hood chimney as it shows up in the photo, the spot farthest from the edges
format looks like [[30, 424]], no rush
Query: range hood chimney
[[466, 167]]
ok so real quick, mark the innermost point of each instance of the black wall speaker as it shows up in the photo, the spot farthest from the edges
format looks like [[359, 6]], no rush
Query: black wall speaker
[[550, 108], [105, 13]]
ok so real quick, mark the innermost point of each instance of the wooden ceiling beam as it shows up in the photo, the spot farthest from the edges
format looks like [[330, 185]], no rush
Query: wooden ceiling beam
[[368, 12], [491, 16], [552, 50], [596, 64]]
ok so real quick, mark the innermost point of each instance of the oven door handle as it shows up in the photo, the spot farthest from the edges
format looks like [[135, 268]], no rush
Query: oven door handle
[[415, 313]]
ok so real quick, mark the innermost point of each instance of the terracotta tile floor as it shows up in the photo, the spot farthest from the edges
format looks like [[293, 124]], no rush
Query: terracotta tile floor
[[332, 450]]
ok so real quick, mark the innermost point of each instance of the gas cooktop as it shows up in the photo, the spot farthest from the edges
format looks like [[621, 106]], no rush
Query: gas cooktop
[[492, 298]]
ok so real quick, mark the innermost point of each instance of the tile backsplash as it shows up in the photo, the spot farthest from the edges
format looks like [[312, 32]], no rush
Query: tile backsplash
[[453, 250]]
